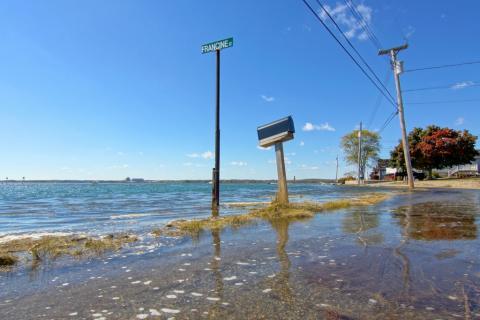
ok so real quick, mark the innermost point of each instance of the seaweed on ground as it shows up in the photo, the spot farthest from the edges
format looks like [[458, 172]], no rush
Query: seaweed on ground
[[292, 211]]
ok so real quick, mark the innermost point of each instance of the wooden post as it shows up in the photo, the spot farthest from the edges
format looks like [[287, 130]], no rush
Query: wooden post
[[282, 195]]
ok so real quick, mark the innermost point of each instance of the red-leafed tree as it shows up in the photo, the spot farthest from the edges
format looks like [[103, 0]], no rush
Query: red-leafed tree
[[436, 148]]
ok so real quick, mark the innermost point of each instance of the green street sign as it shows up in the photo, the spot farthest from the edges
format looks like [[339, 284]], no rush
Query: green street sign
[[217, 45]]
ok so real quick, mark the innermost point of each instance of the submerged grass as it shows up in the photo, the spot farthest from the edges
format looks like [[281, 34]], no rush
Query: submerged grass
[[275, 210], [52, 247]]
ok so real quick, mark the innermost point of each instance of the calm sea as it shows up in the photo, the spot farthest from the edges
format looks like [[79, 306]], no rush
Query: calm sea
[[29, 208]]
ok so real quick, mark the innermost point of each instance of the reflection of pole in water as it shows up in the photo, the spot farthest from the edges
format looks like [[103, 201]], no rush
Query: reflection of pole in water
[[215, 264], [401, 255], [281, 281]]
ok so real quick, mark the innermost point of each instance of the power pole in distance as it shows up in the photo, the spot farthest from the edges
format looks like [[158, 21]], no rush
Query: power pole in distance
[[360, 154], [336, 172], [397, 67]]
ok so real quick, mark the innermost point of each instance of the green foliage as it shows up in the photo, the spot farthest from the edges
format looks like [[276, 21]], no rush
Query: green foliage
[[370, 147], [436, 148]]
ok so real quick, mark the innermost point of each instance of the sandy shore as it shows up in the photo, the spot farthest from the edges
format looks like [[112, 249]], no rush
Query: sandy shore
[[473, 183]]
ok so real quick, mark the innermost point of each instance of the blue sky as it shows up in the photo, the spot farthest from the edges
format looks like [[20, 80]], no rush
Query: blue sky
[[110, 89]]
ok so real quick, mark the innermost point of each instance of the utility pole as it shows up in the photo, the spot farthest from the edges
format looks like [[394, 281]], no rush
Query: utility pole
[[360, 154], [336, 172], [397, 67]]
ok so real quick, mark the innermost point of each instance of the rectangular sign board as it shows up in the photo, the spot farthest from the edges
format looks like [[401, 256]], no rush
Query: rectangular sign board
[[217, 45], [278, 131]]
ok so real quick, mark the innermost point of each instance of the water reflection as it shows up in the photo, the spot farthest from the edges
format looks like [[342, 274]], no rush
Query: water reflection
[[281, 284], [215, 264], [361, 221], [438, 221]]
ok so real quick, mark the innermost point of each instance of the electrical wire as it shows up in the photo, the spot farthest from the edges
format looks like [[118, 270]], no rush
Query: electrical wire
[[347, 52], [444, 101], [387, 122], [354, 49], [452, 86], [444, 66], [378, 102], [363, 24]]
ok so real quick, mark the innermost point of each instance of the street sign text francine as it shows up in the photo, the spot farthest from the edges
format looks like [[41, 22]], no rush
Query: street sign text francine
[[217, 45]]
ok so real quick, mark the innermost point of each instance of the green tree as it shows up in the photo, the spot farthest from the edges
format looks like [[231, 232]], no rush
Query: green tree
[[436, 148], [370, 148]]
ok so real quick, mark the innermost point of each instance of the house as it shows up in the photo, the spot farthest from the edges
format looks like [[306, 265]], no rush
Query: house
[[464, 170], [380, 170]]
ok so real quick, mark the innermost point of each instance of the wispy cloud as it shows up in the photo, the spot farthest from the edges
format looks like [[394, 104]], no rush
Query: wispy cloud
[[307, 167], [459, 121], [302, 143], [267, 98], [191, 164], [262, 148], [238, 163], [205, 155], [322, 127], [462, 85], [408, 32], [119, 166], [351, 26]]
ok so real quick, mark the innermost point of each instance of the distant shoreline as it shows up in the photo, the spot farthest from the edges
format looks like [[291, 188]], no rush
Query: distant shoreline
[[170, 181], [465, 183]]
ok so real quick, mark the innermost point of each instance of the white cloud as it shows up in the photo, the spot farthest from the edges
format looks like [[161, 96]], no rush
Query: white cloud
[[238, 163], [307, 167], [462, 85], [119, 166], [409, 31], [459, 121], [205, 155], [351, 26], [190, 164], [120, 153], [267, 98], [322, 127], [291, 154], [262, 148], [302, 143]]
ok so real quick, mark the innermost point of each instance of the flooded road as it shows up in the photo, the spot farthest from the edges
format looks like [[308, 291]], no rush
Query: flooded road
[[415, 256]]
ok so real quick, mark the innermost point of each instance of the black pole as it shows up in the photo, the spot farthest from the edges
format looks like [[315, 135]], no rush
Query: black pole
[[216, 175]]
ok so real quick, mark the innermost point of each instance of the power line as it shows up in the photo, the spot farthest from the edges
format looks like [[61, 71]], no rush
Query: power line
[[363, 24], [377, 103], [347, 52], [444, 66], [452, 86], [444, 101], [387, 122], [354, 49]]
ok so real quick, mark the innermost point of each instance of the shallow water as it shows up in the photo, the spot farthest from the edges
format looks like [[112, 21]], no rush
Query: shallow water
[[415, 256], [110, 207]]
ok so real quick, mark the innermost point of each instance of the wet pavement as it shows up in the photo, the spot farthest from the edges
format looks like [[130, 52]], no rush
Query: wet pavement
[[415, 256]]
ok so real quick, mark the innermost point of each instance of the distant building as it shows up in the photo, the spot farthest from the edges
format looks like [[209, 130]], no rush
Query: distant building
[[464, 170], [138, 180], [380, 171]]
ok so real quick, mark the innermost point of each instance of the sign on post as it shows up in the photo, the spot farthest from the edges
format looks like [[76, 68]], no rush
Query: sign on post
[[217, 45], [276, 133]]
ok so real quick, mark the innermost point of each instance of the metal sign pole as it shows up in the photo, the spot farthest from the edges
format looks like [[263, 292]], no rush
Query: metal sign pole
[[216, 175], [217, 46]]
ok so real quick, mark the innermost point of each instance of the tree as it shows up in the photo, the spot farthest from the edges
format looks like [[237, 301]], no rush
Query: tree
[[370, 148], [436, 148]]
